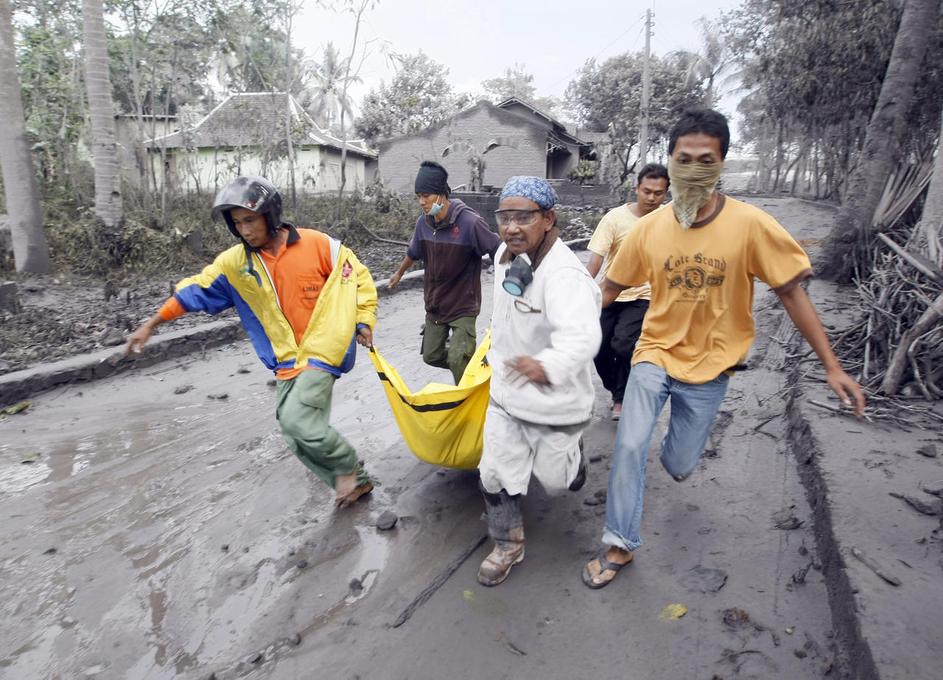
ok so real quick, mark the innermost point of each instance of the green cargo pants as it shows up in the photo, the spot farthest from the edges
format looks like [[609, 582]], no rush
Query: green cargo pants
[[453, 353], [303, 409]]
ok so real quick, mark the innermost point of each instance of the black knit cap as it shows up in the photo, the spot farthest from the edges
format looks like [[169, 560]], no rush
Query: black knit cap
[[432, 178]]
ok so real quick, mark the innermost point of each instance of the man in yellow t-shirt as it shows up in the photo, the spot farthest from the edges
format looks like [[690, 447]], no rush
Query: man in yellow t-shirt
[[701, 254], [621, 321]]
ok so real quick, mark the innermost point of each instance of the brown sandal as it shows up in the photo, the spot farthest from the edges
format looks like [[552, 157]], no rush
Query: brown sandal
[[604, 566], [361, 489]]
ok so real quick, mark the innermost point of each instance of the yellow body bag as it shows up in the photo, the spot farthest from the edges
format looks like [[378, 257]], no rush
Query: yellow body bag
[[442, 424]]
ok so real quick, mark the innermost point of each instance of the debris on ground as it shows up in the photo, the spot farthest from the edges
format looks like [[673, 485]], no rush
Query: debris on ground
[[874, 566], [924, 508], [704, 579], [673, 612], [16, 408], [786, 520], [386, 521]]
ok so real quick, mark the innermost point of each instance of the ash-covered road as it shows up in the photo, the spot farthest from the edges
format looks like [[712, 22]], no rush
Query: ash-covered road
[[153, 528]]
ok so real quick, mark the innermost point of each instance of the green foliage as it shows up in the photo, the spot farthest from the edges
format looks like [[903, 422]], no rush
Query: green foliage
[[158, 55], [583, 172], [50, 70], [418, 96]]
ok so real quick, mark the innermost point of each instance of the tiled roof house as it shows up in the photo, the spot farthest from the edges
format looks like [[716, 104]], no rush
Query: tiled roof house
[[248, 134]]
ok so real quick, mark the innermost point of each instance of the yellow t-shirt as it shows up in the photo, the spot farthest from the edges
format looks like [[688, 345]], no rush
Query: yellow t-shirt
[[605, 242], [700, 322]]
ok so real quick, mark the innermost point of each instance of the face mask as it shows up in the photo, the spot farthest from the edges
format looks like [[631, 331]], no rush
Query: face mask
[[691, 187], [435, 209], [518, 275]]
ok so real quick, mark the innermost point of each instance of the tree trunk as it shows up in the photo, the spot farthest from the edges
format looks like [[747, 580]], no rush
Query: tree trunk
[[30, 251], [877, 157], [290, 113], [930, 228], [108, 206]]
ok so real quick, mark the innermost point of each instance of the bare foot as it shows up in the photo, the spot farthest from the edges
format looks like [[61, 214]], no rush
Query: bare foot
[[344, 485]]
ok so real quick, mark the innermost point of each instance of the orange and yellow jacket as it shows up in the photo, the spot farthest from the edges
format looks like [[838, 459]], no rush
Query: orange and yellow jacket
[[317, 269]]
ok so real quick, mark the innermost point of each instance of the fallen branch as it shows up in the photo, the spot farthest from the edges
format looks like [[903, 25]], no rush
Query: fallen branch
[[921, 264], [875, 567], [437, 583], [835, 409], [900, 358], [380, 238]]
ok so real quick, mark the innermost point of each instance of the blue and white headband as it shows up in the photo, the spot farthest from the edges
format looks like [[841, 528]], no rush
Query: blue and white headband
[[535, 189]]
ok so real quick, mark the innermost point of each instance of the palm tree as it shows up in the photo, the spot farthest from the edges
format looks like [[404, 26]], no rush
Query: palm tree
[[709, 63], [108, 205], [879, 152], [476, 161], [30, 251], [327, 94]]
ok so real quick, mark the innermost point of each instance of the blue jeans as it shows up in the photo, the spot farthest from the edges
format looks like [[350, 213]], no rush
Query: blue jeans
[[693, 408]]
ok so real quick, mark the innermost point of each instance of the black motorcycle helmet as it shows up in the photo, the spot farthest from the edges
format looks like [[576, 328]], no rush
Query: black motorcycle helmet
[[253, 193]]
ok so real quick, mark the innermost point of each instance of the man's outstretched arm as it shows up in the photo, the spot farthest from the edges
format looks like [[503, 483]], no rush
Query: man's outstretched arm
[[803, 315], [139, 337]]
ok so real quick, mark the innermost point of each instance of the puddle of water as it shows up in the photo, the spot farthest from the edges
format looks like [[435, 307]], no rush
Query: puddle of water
[[16, 477]]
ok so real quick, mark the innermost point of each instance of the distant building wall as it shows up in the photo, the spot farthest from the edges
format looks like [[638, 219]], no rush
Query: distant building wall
[[354, 172], [596, 196], [206, 170], [130, 132], [399, 158]]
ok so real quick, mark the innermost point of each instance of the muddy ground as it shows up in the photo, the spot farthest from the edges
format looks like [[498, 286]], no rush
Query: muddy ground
[[155, 526]]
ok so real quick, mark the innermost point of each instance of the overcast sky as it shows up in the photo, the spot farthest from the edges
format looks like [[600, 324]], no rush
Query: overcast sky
[[479, 39]]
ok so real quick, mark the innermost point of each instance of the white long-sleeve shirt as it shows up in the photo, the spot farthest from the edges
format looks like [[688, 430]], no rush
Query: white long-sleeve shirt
[[564, 336]]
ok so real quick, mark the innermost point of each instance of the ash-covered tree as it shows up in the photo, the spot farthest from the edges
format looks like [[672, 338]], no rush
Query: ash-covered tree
[[109, 207], [30, 251], [251, 47], [49, 61], [886, 129], [325, 94], [419, 95], [709, 63], [814, 71], [608, 97], [517, 82]]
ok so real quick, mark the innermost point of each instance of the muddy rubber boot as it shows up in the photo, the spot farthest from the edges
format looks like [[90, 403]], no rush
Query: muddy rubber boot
[[506, 527], [580, 478]]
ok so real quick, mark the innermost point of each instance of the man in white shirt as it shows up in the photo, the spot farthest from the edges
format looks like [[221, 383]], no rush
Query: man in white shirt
[[544, 335]]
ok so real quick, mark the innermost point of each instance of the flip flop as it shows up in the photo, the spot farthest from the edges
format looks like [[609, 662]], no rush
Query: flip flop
[[361, 489], [604, 565]]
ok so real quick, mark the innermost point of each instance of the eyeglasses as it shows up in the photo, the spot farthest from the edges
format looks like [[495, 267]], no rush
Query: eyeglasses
[[519, 217], [522, 306]]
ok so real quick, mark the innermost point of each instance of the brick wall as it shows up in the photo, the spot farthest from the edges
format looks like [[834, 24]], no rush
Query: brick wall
[[598, 196], [483, 204]]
